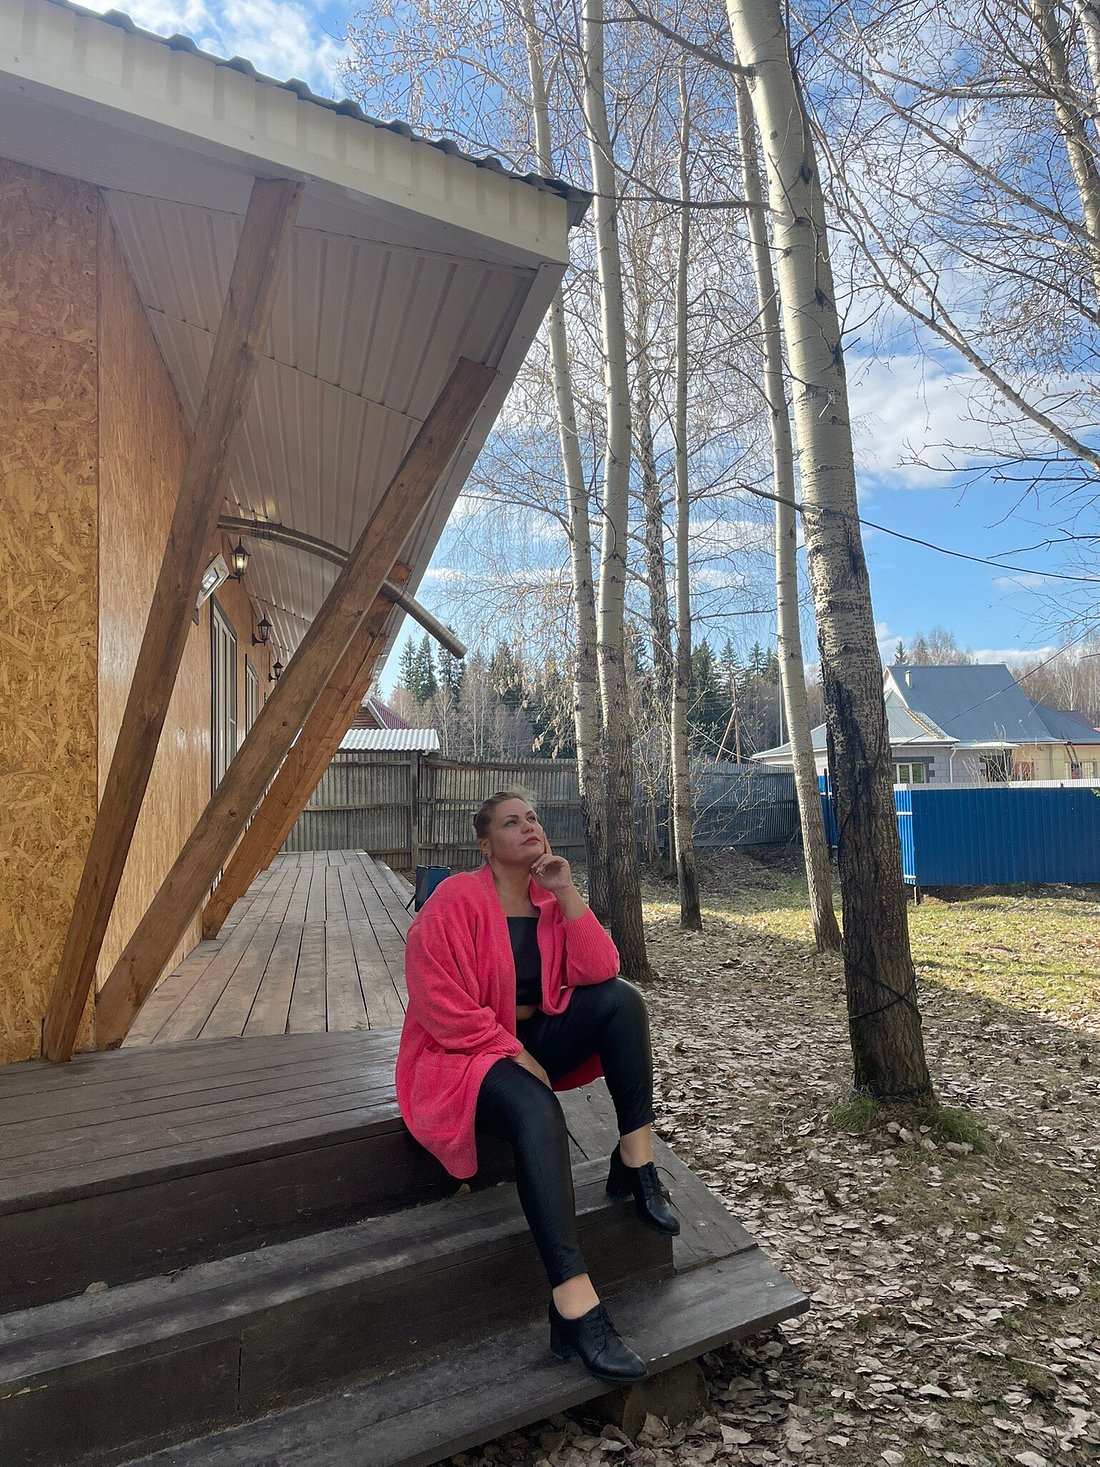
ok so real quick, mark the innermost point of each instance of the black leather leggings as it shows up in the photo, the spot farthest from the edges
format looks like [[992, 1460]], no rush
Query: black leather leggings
[[608, 1019]]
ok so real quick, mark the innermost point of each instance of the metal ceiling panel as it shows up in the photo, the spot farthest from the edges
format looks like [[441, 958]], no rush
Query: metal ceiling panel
[[362, 338]]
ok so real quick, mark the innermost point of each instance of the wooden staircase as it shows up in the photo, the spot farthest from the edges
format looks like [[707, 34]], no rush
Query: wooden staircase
[[234, 1253]]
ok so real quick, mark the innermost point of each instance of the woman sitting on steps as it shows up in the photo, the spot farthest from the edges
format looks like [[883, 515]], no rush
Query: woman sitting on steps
[[512, 991]]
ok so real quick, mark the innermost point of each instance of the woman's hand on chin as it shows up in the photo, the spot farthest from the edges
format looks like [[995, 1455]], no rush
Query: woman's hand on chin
[[552, 872]]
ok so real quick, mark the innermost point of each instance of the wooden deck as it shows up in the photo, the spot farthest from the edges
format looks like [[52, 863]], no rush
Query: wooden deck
[[231, 1252], [316, 945]]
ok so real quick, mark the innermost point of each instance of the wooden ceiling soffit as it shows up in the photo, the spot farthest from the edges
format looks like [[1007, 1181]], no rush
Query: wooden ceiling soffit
[[328, 721], [282, 716], [246, 315]]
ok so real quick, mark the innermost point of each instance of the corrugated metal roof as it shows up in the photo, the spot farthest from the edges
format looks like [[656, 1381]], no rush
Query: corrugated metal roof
[[972, 705], [391, 740], [362, 339], [982, 703], [578, 198], [407, 255], [904, 730]]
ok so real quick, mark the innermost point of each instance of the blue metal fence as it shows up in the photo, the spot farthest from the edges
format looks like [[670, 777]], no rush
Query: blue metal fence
[[996, 835]]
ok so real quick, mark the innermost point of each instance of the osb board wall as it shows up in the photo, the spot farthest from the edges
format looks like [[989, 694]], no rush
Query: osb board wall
[[48, 551], [142, 444]]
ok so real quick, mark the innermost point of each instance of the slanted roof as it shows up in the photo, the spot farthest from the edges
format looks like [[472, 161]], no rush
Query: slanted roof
[[407, 255], [390, 740], [383, 714], [974, 705], [981, 704], [903, 726]]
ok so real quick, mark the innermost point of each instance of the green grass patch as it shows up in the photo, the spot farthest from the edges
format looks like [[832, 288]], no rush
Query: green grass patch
[[949, 1123], [862, 1113], [859, 1112]]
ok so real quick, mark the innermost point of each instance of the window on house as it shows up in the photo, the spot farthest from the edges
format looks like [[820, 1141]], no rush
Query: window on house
[[996, 768], [251, 694], [1023, 769], [223, 680], [910, 773]]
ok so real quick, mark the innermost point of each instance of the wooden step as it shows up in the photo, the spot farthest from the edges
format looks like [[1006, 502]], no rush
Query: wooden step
[[467, 1396], [100, 1377], [122, 1165]]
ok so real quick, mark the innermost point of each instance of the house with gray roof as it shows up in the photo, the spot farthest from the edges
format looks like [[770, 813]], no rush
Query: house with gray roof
[[971, 724]]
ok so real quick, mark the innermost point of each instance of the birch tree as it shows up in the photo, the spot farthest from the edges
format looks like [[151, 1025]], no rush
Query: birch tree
[[682, 809], [625, 893], [591, 765], [792, 670], [884, 1020]]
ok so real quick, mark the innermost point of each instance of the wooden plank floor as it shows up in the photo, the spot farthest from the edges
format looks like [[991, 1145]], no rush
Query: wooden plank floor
[[316, 945]]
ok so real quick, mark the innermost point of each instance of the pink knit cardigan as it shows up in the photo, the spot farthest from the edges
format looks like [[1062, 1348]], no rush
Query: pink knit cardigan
[[461, 1017]]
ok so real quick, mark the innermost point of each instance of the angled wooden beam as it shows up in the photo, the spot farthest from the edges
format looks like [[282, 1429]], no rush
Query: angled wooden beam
[[265, 237], [280, 720], [302, 768]]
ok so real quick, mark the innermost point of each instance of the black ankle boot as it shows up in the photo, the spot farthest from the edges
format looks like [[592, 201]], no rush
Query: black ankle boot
[[596, 1340], [651, 1200]]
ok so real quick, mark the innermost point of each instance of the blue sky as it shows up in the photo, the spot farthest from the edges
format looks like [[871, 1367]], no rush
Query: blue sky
[[904, 406]]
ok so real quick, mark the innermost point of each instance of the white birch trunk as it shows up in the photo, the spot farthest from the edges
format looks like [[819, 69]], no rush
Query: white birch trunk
[[792, 671], [1089, 13], [653, 528], [682, 811], [591, 769], [626, 903], [884, 1021], [1071, 124]]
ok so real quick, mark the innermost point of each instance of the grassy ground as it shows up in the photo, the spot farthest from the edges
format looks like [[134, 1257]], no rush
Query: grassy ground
[[954, 1272]]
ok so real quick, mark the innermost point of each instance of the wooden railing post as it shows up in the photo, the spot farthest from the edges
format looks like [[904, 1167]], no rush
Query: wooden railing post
[[265, 237]]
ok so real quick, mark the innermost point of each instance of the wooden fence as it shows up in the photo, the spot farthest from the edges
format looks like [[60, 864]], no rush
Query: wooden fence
[[415, 809]]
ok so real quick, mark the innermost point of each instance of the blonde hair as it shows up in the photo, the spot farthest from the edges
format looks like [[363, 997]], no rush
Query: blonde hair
[[483, 816]]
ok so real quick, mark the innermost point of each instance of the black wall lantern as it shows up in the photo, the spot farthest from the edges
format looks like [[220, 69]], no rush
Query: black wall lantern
[[264, 630], [239, 558], [276, 672]]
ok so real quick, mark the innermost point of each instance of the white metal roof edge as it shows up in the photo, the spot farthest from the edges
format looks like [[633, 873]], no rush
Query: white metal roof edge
[[168, 88]]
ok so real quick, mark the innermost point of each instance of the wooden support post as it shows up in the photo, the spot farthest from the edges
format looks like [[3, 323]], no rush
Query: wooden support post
[[265, 237], [414, 811], [296, 780], [280, 720]]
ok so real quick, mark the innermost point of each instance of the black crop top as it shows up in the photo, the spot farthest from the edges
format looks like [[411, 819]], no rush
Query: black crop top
[[523, 935]]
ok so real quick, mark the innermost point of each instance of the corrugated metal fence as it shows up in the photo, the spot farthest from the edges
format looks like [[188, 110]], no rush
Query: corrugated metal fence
[[411, 810], [996, 835]]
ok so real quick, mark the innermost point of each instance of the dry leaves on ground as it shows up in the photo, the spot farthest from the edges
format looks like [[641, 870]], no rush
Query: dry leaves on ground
[[956, 1293]]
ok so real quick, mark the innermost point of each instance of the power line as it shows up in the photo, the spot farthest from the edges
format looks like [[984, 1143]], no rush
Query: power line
[[915, 539]]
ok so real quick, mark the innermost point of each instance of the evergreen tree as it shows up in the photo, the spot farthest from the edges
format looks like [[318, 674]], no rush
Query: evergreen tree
[[408, 664], [709, 704], [421, 682], [506, 676], [452, 670]]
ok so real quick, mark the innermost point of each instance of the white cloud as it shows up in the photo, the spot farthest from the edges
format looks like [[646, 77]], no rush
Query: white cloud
[[1022, 581], [1013, 654], [910, 407], [281, 38]]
